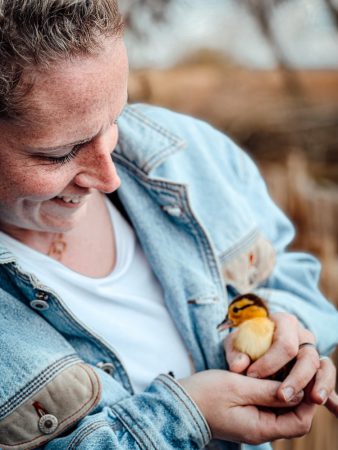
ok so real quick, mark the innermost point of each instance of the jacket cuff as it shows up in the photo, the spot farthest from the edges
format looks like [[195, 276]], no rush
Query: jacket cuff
[[164, 416]]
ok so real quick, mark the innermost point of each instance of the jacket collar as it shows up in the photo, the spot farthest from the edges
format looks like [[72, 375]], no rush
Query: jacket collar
[[144, 142], [6, 256]]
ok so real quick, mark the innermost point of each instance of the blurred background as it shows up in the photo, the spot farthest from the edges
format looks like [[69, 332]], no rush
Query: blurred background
[[266, 73]]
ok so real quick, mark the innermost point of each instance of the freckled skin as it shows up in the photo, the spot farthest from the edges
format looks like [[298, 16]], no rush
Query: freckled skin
[[71, 101]]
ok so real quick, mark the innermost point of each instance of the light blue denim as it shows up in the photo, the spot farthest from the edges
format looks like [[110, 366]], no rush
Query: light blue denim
[[194, 200]]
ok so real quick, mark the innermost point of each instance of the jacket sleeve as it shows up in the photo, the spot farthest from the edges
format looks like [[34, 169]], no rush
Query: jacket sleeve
[[162, 417], [50, 398], [293, 284]]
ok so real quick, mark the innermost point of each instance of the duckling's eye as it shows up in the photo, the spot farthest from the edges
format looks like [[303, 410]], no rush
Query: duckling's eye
[[235, 309]]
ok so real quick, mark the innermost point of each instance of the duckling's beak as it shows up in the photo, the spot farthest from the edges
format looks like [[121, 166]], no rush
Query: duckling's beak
[[226, 324]]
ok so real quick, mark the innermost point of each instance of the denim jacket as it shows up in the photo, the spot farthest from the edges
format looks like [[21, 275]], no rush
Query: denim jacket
[[209, 230]]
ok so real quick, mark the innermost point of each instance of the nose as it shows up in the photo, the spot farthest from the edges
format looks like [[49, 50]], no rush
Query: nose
[[96, 168]]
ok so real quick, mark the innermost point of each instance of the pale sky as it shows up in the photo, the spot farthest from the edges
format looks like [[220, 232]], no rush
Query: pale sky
[[303, 28]]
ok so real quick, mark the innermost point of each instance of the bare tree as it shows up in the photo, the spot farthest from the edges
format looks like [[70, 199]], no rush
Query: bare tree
[[262, 12], [333, 8], [155, 10]]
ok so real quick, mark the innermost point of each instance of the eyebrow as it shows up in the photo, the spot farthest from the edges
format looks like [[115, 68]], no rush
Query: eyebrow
[[72, 144], [60, 147]]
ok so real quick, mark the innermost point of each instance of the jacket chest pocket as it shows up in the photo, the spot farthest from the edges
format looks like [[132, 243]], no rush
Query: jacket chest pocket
[[49, 411], [249, 265]]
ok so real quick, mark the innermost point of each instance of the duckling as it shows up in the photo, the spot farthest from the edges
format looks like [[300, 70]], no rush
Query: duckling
[[250, 314]]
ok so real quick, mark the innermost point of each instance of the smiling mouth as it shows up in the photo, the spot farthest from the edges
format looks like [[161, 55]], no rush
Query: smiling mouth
[[75, 199], [70, 201]]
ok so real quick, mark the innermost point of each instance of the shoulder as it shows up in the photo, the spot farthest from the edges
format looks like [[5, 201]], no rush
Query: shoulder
[[202, 143], [183, 125]]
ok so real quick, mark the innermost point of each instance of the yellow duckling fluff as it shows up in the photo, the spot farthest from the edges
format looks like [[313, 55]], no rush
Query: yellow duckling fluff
[[250, 315]]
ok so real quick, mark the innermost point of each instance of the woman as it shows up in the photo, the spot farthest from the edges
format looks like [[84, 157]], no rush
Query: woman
[[141, 270]]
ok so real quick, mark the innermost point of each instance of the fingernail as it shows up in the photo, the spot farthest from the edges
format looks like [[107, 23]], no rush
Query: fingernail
[[238, 359], [298, 397], [253, 375], [288, 393], [323, 395]]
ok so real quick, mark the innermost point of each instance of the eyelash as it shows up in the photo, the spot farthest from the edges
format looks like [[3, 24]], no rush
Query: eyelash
[[71, 155], [66, 158]]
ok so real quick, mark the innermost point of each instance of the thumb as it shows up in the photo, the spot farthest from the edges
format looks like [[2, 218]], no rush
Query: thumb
[[238, 362], [264, 393]]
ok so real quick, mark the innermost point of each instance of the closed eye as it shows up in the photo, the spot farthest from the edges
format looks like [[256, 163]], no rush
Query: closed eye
[[65, 158], [73, 153]]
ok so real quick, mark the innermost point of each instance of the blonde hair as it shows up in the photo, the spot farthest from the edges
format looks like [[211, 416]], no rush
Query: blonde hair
[[37, 33]]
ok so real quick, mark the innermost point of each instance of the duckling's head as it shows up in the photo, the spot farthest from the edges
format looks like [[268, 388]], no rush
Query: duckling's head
[[242, 308]]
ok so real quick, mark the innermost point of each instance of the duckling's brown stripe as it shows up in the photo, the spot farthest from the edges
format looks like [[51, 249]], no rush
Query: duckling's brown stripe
[[251, 298], [245, 306]]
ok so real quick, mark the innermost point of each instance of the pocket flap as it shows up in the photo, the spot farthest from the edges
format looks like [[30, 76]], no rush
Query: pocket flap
[[251, 266], [50, 411]]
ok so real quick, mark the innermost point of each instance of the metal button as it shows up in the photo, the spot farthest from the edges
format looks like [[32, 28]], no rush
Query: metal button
[[173, 210], [48, 424], [42, 295], [40, 305], [109, 368]]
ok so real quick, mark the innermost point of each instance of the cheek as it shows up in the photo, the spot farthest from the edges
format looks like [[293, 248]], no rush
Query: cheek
[[33, 183]]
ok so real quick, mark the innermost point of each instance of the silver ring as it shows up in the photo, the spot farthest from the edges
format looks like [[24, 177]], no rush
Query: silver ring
[[307, 344], [321, 358]]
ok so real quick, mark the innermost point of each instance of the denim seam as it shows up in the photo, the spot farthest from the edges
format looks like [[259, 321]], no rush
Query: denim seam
[[200, 233], [197, 230], [157, 159], [70, 416], [207, 253], [73, 323], [132, 111], [10, 259], [136, 430], [164, 380], [110, 353], [146, 167], [175, 141], [84, 432], [91, 401], [143, 178], [36, 383], [66, 315], [240, 246], [14, 269]]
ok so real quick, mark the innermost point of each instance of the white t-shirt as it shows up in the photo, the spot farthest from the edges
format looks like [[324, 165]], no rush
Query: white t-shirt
[[125, 308]]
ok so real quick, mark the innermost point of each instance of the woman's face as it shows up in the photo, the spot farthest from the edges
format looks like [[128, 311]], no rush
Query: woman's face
[[53, 162]]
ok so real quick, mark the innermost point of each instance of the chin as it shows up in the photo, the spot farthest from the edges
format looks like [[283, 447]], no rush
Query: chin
[[57, 224]]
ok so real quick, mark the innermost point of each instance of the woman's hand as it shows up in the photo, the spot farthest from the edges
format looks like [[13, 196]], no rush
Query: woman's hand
[[289, 335], [320, 394], [230, 404]]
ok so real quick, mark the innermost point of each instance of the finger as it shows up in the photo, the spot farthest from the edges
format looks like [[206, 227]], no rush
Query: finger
[[292, 424], [332, 403], [324, 382], [305, 368], [283, 349], [264, 393], [264, 426], [237, 361]]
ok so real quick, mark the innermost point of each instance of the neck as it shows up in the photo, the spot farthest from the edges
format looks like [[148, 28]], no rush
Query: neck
[[38, 240]]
